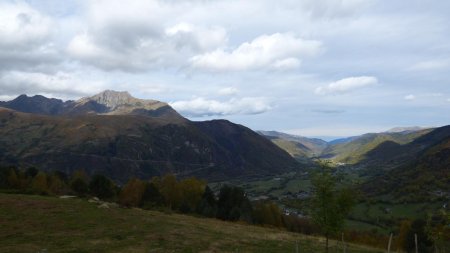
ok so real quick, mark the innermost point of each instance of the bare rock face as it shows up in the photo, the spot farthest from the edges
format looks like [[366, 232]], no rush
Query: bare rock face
[[121, 102], [112, 99]]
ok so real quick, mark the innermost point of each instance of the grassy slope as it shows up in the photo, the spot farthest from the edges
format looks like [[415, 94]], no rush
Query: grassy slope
[[356, 150], [35, 223]]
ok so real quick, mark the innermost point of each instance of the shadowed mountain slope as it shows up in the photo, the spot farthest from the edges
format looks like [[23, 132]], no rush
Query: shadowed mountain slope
[[419, 169], [356, 149], [129, 139]]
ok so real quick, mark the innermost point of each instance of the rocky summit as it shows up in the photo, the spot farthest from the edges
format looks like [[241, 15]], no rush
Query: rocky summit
[[108, 102]]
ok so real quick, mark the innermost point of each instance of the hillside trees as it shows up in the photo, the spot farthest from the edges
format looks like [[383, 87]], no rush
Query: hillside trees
[[233, 204], [191, 196], [152, 196], [267, 213], [208, 204], [79, 183], [438, 229], [102, 187], [424, 243], [131, 194], [329, 205], [39, 184]]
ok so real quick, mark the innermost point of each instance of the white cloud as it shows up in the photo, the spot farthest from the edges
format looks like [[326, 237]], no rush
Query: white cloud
[[332, 8], [228, 91], [198, 39], [410, 97], [430, 65], [7, 97], [60, 84], [140, 35], [25, 37], [22, 27], [276, 51], [199, 107], [347, 85]]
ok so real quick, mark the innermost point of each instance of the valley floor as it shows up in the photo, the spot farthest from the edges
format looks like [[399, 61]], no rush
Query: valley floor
[[50, 224]]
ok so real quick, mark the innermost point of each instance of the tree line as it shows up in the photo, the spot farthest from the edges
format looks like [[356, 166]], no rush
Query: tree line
[[329, 205], [188, 196]]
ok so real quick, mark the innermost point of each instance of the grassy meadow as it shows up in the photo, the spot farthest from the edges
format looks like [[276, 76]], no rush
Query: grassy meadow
[[50, 224]]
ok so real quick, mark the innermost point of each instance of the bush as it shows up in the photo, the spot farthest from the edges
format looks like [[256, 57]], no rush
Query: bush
[[102, 187]]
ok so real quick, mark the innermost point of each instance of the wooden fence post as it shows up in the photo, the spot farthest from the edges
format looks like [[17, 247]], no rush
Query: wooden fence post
[[296, 246], [415, 240], [344, 248], [389, 245]]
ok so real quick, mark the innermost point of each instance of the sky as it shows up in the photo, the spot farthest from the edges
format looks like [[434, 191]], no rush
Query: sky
[[328, 68]]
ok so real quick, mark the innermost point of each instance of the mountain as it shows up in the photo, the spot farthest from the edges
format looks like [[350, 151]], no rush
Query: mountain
[[302, 148], [405, 129], [122, 137], [419, 170], [342, 140], [105, 103], [355, 149], [36, 104]]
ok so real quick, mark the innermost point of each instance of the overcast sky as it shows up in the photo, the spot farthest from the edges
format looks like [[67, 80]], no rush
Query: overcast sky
[[309, 67]]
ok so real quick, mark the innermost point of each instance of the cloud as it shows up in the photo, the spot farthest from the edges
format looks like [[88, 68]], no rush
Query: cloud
[[199, 39], [410, 97], [140, 36], [200, 107], [347, 85], [276, 51], [228, 91], [25, 38], [332, 8], [430, 65], [61, 84]]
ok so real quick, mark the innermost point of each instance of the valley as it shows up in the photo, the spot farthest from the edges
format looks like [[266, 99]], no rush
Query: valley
[[394, 175], [200, 126]]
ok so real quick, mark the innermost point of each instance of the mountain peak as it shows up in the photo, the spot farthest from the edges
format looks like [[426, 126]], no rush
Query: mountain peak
[[122, 103], [108, 102], [113, 99]]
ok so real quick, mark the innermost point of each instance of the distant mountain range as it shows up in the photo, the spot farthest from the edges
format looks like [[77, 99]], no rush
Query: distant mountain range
[[349, 150], [120, 136], [411, 164], [301, 148], [105, 103]]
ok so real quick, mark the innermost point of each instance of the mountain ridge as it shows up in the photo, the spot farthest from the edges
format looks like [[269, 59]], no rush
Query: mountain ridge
[[136, 144], [302, 148], [108, 102]]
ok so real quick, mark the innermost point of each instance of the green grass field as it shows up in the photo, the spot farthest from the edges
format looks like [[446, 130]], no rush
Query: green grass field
[[49, 224]]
